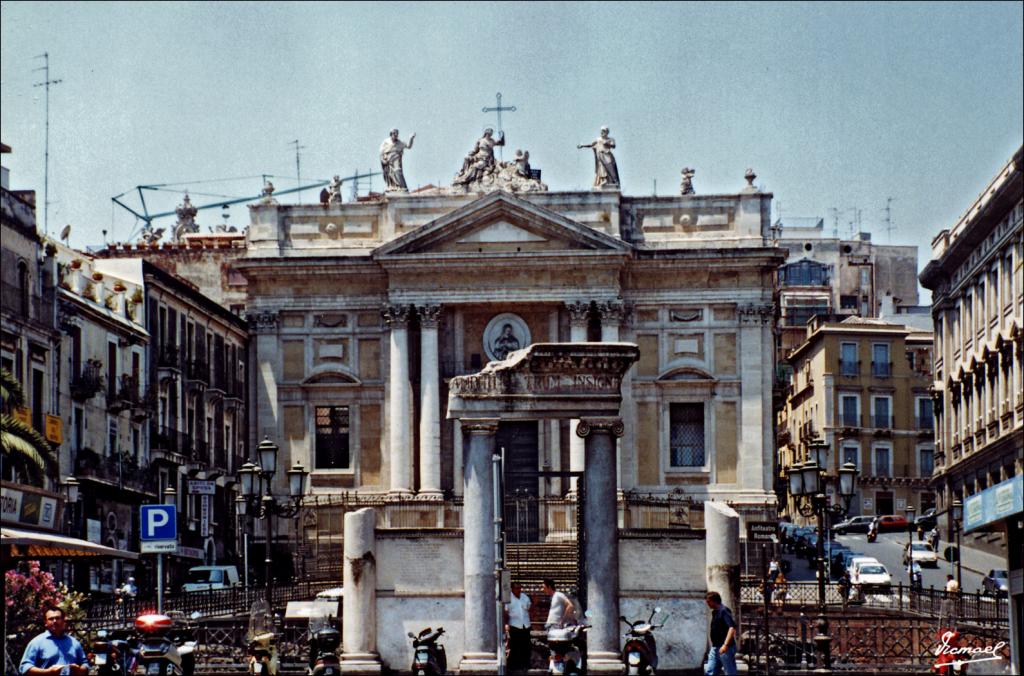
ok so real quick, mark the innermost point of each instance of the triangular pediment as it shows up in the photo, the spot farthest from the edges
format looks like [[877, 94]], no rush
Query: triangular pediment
[[500, 223]]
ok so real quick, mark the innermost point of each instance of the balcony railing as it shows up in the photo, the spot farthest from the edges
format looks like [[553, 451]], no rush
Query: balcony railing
[[849, 368], [127, 395], [169, 357], [121, 470], [89, 382], [199, 371], [882, 421], [881, 369], [925, 422], [849, 419]]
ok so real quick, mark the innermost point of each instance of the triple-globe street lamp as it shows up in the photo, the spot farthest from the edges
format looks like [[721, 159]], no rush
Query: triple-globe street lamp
[[807, 486], [257, 497]]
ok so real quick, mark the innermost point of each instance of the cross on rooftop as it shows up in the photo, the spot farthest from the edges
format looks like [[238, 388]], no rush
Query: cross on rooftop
[[498, 110]]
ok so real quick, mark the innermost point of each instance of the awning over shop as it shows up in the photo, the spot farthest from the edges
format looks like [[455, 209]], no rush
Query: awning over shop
[[25, 544]]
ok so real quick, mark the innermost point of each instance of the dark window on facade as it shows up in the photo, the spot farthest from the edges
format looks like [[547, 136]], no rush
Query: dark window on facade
[[927, 462], [804, 273], [686, 435], [332, 437], [848, 302]]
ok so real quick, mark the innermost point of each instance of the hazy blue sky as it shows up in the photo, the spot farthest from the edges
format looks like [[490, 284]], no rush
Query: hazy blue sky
[[834, 105]]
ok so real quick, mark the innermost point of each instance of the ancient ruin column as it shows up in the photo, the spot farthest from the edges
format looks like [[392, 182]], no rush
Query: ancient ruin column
[[430, 407], [579, 318], [722, 553], [480, 654], [611, 318], [359, 604], [399, 432], [600, 519]]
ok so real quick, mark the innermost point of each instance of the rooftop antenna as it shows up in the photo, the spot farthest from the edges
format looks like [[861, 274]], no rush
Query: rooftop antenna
[[888, 218], [835, 222], [46, 151], [65, 233], [655, 187], [298, 172], [498, 109]]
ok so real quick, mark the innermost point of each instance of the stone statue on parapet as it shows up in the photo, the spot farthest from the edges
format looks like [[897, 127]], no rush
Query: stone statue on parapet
[[186, 219], [482, 173], [391, 162], [606, 172], [151, 235], [334, 190], [268, 194], [686, 186]]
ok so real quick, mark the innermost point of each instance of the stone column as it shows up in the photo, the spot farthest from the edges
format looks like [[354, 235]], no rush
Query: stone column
[[399, 433], [611, 318], [722, 553], [600, 519], [359, 605], [579, 318], [755, 404], [267, 355], [430, 407], [480, 653]]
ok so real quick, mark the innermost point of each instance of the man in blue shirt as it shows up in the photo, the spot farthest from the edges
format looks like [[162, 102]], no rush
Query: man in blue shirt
[[722, 656], [54, 653]]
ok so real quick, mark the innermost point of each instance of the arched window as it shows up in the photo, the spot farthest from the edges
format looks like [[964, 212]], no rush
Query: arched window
[[24, 289]]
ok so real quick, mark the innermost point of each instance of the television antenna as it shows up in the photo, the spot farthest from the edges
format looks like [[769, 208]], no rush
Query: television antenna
[[888, 218], [47, 82], [298, 172]]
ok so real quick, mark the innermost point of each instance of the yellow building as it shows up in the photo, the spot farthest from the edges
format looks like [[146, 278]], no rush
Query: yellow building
[[862, 386]]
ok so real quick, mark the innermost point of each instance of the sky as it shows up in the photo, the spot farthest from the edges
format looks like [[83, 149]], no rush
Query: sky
[[836, 106]]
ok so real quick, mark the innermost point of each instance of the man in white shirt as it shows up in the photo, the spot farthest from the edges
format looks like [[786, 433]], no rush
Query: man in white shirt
[[952, 586], [562, 611], [517, 626]]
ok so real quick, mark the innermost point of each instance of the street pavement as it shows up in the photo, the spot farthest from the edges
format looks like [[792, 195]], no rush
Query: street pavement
[[889, 550]]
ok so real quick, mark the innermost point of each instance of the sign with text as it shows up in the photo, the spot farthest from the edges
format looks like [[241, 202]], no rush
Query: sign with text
[[202, 487], [54, 429], [761, 531], [159, 546], [29, 508], [159, 522]]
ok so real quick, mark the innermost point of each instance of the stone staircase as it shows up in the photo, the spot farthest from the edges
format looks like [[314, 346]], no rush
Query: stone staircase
[[529, 563]]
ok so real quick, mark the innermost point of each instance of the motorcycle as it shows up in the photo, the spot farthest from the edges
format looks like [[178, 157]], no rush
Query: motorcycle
[[429, 658], [324, 640], [159, 652], [262, 640], [640, 654], [566, 645], [872, 535], [111, 654]]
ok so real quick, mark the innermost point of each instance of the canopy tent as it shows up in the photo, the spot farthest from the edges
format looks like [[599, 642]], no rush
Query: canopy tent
[[25, 544]]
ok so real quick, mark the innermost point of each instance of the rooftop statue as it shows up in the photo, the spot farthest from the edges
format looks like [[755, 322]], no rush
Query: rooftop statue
[[606, 173], [686, 186], [186, 219], [334, 190], [482, 173], [391, 162], [268, 194]]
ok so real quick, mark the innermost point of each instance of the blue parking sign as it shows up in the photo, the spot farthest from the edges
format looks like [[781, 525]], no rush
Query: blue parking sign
[[159, 522]]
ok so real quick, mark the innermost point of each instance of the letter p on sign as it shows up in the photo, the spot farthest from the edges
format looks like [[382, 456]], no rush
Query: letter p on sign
[[159, 522]]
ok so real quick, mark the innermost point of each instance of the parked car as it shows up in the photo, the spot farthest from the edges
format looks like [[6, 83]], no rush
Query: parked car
[[855, 524], [855, 561], [921, 553], [872, 575], [842, 561], [928, 519], [892, 522], [996, 583], [207, 578], [800, 540]]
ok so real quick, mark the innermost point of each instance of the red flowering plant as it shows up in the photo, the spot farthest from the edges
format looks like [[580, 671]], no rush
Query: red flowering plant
[[28, 591]]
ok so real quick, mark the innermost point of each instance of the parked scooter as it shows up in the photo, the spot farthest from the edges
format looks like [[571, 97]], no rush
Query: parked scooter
[[112, 654], [324, 640], [429, 658], [262, 640], [161, 651], [640, 654], [566, 645]]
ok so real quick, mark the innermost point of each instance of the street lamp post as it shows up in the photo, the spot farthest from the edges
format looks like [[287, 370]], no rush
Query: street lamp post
[[807, 486], [958, 515], [71, 493], [257, 496], [910, 543]]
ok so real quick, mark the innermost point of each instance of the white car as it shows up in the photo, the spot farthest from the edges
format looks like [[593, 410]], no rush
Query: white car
[[872, 575], [921, 553], [857, 560]]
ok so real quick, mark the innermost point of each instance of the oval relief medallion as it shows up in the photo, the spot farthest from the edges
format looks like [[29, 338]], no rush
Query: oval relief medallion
[[505, 333]]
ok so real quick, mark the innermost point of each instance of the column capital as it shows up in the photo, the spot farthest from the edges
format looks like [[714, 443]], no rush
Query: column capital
[[396, 316], [479, 425], [429, 315], [579, 312], [612, 311], [264, 321], [756, 313], [588, 426]]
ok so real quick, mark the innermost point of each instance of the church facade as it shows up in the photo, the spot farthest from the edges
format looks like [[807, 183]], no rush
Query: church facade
[[360, 314]]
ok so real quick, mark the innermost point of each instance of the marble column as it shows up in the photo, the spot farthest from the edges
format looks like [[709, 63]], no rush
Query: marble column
[[755, 405], [600, 519], [611, 319], [399, 433], [359, 605], [579, 318], [480, 653], [430, 407]]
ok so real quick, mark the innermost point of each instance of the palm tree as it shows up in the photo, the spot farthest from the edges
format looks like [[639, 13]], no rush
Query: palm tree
[[24, 449]]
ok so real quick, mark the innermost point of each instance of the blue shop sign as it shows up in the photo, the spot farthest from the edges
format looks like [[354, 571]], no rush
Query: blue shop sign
[[999, 502]]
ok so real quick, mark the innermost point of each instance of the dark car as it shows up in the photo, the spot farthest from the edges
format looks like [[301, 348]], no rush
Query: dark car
[[928, 520], [855, 524], [996, 583]]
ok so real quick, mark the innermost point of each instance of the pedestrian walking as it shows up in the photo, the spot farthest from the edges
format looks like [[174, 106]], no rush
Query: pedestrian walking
[[722, 632], [562, 611], [54, 653], [517, 626], [933, 538], [780, 590], [844, 587]]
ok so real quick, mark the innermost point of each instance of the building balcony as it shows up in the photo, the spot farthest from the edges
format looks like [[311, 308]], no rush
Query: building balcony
[[120, 470], [849, 368], [126, 395], [807, 431], [881, 369], [849, 420], [882, 422], [89, 382], [168, 362], [198, 373]]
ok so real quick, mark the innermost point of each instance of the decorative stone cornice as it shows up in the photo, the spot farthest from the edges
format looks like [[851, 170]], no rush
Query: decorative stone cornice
[[429, 315], [612, 426], [756, 313], [264, 321], [579, 312], [479, 425], [396, 316]]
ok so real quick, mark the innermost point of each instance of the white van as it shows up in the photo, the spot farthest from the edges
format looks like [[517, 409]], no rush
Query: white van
[[206, 578]]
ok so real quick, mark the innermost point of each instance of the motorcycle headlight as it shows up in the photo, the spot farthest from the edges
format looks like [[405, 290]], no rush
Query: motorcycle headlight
[[100, 659]]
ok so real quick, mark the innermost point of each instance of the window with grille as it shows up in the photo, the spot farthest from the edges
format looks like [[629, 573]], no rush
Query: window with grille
[[686, 435], [332, 437], [882, 456]]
